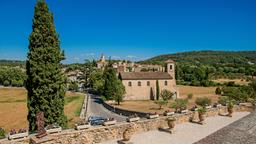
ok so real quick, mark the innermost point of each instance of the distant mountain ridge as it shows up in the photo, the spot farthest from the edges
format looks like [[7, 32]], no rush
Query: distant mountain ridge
[[4, 62], [204, 57], [207, 57]]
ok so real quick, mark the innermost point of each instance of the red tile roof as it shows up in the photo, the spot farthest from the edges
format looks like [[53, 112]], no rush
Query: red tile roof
[[144, 75]]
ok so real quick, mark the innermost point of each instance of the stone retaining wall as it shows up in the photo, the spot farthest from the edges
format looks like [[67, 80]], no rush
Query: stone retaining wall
[[123, 111], [103, 133]]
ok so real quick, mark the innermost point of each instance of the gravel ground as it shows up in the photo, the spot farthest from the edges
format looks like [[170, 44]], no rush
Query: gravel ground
[[186, 133]]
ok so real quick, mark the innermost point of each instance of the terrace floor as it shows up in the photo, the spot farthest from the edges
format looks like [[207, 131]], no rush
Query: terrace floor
[[186, 133]]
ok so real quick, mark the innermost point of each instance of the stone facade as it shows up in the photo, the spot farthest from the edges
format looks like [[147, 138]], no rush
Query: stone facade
[[104, 133], [143, 85], [145, 91]]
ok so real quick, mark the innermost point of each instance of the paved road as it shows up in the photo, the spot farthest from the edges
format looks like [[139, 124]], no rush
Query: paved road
[[95, 108]]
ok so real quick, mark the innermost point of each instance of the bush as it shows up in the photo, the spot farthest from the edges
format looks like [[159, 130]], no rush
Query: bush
[[6, 83], [231, 104], [2, 133], [166, 95], [223, 100], [240, 94], [73, 86], [230, 84], [252, 101], [190, 96], [203, 101], [201, 110], [103, 98], [195, 83], [179, 105], [161, 103], [17, 83], [218, 91]]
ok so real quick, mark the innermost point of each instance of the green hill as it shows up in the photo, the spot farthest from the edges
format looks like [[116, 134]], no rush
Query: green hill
[[198, 68], [208, 57]]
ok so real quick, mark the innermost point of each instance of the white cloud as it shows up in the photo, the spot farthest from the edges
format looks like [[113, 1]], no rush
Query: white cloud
[[131, 56], [90, 54], [76, 59], [116, 57]]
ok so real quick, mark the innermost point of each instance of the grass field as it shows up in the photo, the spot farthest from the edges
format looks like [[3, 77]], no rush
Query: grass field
[[237, 81], [13, 108], [150, 106]]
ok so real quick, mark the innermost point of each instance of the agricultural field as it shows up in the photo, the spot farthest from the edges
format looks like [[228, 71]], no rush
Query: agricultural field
[[237, 81], [150, 106], [13, 108]]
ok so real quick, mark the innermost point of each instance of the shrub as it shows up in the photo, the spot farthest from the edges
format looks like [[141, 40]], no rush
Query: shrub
[[223, 100], [240, 94], [230, 104], [201, 110], [190, 96], [179, 105], [161, 103], [252, 101], [103, 98], [73, 86], [195, 83], [6, 83], [203, 101], [166, 95], [230, 83], [2, 133], [218, 91], [17, 83]]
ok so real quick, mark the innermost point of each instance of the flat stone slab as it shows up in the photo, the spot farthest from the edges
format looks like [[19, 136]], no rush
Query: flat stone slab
[[242, 131], [186, 133], [35, 140]]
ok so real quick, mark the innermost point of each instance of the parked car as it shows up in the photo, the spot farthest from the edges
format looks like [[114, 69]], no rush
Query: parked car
[[95, 120]]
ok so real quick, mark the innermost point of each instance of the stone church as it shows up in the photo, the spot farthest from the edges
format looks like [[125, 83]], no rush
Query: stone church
[[142, 85]]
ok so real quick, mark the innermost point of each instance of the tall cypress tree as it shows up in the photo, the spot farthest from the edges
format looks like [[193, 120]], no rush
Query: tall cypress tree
[[45, 82], [157, 90]]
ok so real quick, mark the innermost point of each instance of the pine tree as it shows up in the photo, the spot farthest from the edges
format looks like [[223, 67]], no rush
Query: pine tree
[[45, 82]]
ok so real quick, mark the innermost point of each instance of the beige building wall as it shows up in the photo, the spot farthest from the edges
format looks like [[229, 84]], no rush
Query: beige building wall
[[144, 91]]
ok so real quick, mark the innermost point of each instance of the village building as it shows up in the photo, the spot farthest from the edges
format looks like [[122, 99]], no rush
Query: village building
[[127, 66], [102, 63], [143, 85]]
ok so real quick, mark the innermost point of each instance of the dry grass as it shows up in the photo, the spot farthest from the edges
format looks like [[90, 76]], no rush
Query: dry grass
[[237, 81], [13, 108], [74, 102], [150, 106]]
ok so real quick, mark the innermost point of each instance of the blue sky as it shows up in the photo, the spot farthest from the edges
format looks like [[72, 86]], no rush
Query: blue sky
[[132, 29]]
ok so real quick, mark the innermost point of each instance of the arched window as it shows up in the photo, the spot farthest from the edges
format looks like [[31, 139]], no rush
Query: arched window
[[165, 83], [139, 83], [130, 84], [148, 83]]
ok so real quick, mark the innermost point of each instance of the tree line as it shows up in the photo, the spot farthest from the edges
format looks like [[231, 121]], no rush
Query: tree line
[[12, 76]]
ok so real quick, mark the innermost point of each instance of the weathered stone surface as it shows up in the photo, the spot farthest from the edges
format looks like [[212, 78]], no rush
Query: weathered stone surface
[[242, 131]]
